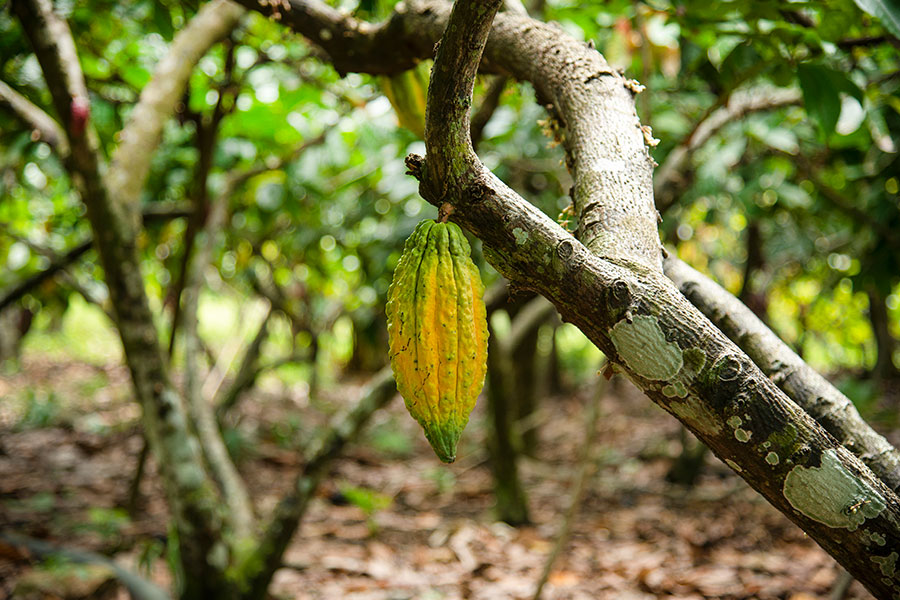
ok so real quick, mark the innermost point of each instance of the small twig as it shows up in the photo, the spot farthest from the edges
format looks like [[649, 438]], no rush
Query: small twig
[[488, 106], [43, 126], [138, 587]]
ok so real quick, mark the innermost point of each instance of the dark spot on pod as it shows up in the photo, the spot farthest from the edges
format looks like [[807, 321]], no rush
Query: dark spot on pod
[[565, 249]]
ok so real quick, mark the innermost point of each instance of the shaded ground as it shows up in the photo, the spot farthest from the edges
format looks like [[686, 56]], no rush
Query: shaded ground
[[69, 444]]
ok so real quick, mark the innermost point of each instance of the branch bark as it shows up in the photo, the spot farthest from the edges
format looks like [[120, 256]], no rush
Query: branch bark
[[832, 409], [650, 330], [195, 505], [290, 510], [44, 127], [673, 175]]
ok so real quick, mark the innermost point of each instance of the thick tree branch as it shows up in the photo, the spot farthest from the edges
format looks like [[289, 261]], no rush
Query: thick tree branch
[[671, 351], [44, 127], [193, 500], [350, 44], [832, 409], [673, 175], [140, 136]]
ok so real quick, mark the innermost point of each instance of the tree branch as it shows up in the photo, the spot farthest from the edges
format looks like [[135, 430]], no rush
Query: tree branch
[[673, 175], [247, 371], [287, 515], [196, 508], [657, 337], [32, 281], [488, 105], [44, 127], [138, 587], [141, 135], [832, 409], [234, 492], [153, 212]]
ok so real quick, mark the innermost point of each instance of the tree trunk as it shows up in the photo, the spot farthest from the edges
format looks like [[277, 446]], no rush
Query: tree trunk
[[509, 494], [885, 343]]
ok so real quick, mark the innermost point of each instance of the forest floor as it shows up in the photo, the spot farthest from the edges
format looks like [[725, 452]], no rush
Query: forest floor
[[69, 444]]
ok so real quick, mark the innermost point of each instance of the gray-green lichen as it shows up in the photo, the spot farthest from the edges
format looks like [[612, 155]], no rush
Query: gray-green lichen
[[742, 435], [675, 389], [733, 465], [697, 414], [887, 563], [643, 346], [521, 236], [875, 537], [831, 494], [772, 458]]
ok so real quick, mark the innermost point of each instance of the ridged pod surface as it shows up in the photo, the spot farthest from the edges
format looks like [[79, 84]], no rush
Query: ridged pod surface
[[437, 327]]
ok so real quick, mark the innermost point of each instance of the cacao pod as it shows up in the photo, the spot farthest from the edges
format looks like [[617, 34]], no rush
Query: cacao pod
[[437, 327], [407, 92]]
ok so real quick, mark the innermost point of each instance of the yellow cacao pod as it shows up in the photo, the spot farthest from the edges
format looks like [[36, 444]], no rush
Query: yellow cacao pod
[[407, 93], [437, 327]]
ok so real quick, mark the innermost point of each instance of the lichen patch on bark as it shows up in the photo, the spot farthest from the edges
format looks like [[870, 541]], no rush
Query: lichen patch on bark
[[696, 414], [643, 347], [887, 563], [831, 494]]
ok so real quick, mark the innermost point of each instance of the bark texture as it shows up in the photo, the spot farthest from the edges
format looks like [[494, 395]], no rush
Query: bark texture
[[832, 409]]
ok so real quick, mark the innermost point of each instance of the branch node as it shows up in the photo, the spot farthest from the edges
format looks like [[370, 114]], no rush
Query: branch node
[[415, 164], [444, 212], [565, 249]]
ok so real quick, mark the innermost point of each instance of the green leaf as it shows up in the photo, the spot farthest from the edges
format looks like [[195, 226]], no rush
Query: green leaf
[[163, 21], [821, 94], [886, 11]]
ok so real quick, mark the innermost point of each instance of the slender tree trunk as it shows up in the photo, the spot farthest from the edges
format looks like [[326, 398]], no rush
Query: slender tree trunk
[[509, 494], [885, 343]]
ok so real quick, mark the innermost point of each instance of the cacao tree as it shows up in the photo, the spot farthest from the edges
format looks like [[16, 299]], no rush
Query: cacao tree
[[689, 344]]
